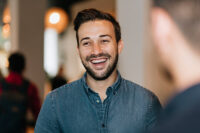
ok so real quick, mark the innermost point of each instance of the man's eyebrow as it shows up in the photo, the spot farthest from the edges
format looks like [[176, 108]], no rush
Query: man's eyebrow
[[85, 38], [105, 36]]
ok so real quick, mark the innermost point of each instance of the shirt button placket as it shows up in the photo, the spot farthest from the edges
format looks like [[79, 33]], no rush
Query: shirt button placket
[[97, 101], [103, 125]]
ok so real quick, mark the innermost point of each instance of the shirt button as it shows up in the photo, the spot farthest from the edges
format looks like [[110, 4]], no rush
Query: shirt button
[[103, 125], [97, 101]]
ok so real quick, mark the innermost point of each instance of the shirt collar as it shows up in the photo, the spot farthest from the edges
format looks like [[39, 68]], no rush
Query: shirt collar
[[113, 88]]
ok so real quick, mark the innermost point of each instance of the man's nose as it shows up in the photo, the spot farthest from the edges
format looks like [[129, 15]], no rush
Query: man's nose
[[97, 49]]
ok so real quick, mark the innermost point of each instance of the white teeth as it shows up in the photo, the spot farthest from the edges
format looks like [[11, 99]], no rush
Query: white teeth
[[98, 61]]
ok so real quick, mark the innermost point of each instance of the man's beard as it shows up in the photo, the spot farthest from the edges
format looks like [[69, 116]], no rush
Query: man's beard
[[109, 70]]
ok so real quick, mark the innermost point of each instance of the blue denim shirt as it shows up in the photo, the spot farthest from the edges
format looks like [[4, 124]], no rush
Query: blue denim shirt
[[75, 108]]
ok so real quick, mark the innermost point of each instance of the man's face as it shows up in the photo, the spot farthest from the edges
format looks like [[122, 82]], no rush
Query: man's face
[[98, 48]]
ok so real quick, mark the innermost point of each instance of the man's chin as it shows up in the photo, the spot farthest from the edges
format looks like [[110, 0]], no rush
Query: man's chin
[[98, 75], [100, 78]]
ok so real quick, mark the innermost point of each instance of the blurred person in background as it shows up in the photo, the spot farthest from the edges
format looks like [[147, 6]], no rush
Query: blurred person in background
[[17, 95], [59, 79], [176, 35], [101, 101]]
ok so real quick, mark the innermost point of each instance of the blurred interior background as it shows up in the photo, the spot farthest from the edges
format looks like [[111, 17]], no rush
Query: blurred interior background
[[43, 31]]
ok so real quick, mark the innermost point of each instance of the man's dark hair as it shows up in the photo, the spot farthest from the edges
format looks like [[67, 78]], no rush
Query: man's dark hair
[[92, 15], [16, 62], [186, 15]]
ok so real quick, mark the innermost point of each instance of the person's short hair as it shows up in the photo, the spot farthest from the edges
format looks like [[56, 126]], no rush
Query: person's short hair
[[186, 15], [92, 15], [16, 62]]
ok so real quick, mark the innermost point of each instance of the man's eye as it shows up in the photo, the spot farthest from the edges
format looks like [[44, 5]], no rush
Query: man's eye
[[105, 41], [86, 43]]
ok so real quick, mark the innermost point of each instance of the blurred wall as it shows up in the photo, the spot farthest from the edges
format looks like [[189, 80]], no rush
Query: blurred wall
[[27, 31], [131, 16]]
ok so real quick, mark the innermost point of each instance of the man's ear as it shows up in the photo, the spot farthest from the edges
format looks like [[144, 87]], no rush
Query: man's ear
[[120, 46], [162, 28]]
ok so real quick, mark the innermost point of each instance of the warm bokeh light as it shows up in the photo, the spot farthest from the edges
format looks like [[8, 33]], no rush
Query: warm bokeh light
[[6, 15], [6, 30], [56, 18], [4, 62]]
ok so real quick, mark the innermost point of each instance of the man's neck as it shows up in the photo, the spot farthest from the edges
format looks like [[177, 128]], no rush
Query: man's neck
[[100, 86]]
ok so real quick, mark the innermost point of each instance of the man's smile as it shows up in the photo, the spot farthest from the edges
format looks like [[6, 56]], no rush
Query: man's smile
[[98, 63]]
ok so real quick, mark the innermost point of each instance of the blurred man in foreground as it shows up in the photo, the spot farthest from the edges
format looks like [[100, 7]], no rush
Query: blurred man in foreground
[[101, 101], [176, 36], [17, 95]]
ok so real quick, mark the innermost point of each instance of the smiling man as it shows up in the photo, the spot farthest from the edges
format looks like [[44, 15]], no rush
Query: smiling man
[[101, 101]]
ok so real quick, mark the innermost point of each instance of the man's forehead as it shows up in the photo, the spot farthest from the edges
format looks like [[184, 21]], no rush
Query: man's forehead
[[97, 28]]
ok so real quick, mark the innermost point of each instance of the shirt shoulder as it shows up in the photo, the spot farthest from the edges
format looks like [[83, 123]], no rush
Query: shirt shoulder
[[138, 92], [68, 90], [131, 86]]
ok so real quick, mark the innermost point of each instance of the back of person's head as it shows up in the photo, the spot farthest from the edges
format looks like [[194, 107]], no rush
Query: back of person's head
[[16, 62], [186, 15], [92, 15]]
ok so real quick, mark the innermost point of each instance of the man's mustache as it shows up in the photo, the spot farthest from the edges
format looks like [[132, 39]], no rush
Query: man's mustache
[[96, 56]]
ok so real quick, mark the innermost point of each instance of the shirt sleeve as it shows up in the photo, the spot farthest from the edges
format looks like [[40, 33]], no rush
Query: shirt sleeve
[[47, 120], [34, 103]]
